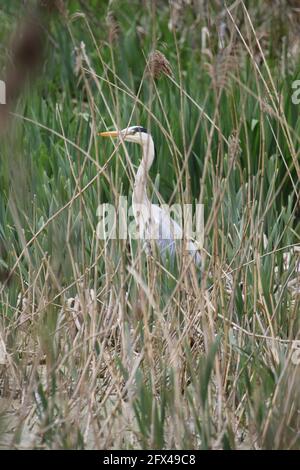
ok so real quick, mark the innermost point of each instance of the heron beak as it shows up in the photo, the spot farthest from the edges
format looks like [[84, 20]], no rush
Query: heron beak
[[109, 134]]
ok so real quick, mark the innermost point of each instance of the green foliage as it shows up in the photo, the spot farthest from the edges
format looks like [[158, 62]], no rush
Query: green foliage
[[108, 348]]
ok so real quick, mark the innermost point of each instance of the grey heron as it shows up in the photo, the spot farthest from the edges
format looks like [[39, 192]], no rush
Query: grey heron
[[153, 221]]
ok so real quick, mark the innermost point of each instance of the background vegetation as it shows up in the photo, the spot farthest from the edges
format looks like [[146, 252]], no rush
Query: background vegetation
[[101, 347]]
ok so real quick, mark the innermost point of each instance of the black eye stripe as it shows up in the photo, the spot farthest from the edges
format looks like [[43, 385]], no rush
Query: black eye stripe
[[140, 129]]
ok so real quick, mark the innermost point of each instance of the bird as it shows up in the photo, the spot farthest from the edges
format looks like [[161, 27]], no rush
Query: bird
[[153, 222]]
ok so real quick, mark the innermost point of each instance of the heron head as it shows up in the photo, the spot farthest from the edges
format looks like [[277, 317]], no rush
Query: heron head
[[135, 134]]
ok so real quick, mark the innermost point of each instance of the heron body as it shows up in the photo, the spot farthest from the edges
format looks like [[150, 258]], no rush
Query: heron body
[[153, 222]]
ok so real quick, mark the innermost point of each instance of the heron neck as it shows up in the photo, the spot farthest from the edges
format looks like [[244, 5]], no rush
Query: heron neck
[[139, 190]]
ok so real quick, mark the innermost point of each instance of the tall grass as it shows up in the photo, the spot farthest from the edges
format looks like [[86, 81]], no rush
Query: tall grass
[[102, 346]]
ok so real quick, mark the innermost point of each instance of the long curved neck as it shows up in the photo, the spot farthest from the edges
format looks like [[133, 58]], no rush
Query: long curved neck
[[140, 183]]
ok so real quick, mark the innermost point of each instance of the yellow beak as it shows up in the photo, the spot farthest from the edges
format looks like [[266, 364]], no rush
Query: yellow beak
[[109, 134]]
